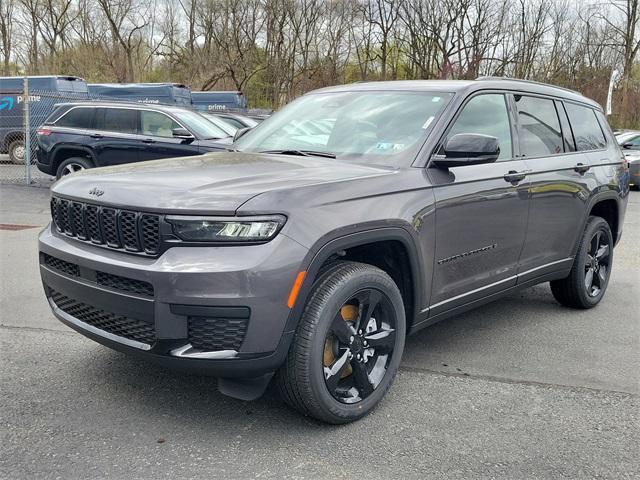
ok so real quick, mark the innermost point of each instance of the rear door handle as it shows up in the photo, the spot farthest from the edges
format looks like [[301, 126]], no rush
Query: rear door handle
[[96, 135], [514, 177], [148, 140], [581, 168]]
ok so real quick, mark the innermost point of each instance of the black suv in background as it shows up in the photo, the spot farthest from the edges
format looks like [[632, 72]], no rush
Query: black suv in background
[[77, 136], [354, 215]]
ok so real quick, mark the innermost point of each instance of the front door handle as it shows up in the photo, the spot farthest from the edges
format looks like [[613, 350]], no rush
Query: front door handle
[[96, 135], [514, 177], [148, 140], [581, 168]]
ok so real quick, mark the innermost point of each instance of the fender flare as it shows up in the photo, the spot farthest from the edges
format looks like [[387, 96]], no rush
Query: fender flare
[[598, 197], [78, 148], [326, 247]]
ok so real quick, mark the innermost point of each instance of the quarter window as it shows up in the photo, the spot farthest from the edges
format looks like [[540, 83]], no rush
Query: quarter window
[[539, 127], [120, 120], [157, 124], [586, 129], [487, 115], [76, 118]]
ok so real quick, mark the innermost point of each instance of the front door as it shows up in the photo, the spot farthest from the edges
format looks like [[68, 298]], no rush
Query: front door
[[157, 135], [481, 211]]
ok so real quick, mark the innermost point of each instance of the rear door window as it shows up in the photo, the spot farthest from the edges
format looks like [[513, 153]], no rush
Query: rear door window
[[539, 127], [586, 129], [77, 118], [120, 120]]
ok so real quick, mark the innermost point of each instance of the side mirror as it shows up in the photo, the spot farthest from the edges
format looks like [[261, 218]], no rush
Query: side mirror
[[182, 133], [627, 145], [469, 149], [239, 133]]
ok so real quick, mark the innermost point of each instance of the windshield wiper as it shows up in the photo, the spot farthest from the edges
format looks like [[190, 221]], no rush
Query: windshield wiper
[[302, 153]]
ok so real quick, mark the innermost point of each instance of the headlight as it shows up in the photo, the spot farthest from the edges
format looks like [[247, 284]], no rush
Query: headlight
[[221, 229]]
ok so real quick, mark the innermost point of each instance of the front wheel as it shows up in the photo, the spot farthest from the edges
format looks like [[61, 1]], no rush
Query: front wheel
[[348, 344], [589, 277]]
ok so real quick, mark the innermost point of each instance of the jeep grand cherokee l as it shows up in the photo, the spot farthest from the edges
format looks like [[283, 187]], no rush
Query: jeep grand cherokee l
[[355, 215]]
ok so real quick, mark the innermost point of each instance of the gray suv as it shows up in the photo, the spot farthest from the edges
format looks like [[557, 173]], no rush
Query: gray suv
[[352, 217]]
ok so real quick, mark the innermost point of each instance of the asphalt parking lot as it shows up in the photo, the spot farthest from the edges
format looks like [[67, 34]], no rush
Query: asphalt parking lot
[[521, 388]]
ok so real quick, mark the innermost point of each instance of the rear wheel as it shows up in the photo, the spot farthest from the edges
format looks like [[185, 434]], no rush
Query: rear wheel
[[589, 277], [348, 344], [17, 151], [72, 165]]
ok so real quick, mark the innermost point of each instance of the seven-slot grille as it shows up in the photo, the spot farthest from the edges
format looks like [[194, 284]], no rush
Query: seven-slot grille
[[115, 228]]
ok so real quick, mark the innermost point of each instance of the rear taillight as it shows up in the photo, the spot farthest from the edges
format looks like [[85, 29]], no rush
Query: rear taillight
[[44, 131]]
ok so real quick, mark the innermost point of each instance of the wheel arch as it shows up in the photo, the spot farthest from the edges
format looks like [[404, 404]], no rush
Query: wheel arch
[[607, 206], [325, 249], [63, 152]]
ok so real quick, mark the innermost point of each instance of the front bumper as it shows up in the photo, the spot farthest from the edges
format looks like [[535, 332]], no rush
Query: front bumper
[[215, 310]]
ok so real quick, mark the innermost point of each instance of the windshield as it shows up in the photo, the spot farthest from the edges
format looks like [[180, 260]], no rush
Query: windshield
[[199, 125], [378, 124]]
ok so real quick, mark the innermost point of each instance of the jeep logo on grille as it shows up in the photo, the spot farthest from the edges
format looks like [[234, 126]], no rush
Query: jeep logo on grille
[[96, 191]]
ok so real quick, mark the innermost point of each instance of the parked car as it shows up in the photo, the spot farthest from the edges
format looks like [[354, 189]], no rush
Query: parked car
[[309, 257], [149, 93], [629, 140], [237, 120], [221, 123], [85, 135], [218, 101], [47, 91]]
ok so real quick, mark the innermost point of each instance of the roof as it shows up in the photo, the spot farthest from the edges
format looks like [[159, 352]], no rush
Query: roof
[[138, 105], [63, 77], [135, 85], [466, 86]]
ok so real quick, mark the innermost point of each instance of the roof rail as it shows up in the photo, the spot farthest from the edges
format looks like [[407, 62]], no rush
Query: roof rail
[[533, 82]]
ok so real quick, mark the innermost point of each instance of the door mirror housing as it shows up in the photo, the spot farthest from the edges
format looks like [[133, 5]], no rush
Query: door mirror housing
[[627, 145], [239, 133], [468, 149], [182, 133]]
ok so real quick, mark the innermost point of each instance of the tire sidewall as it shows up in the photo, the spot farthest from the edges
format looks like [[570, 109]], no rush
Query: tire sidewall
[[12, 147], [342, 292], [77, 160], [596, 224]]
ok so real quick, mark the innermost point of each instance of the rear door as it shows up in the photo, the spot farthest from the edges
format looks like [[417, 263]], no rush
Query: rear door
[[560, 179], [481, 211], [157, 135], [115, 139]]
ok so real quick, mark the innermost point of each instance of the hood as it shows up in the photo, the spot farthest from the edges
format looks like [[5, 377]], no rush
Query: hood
[[214, 184]]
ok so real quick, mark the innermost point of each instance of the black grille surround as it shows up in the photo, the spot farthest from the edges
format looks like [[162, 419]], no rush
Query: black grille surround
[[114, 228], [109, 322], [212, 334]]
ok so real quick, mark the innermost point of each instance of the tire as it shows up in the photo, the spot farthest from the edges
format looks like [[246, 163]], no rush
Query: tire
[[16, 151], [305, 380], [577, 290], [72, 165]]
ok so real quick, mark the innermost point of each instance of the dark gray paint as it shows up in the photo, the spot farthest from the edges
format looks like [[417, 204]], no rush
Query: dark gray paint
[[531, 227]]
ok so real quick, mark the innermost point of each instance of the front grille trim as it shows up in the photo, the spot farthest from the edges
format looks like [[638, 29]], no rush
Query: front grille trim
[[113, 228]]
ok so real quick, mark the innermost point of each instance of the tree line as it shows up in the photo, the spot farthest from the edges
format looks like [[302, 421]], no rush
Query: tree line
[[275, 50]]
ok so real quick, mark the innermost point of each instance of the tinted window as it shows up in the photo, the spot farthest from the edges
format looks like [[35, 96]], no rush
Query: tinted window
[[586, 129], [567, 134], [539, 127], [119, 120], [487, 115], [157, 124], [77, 118]]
